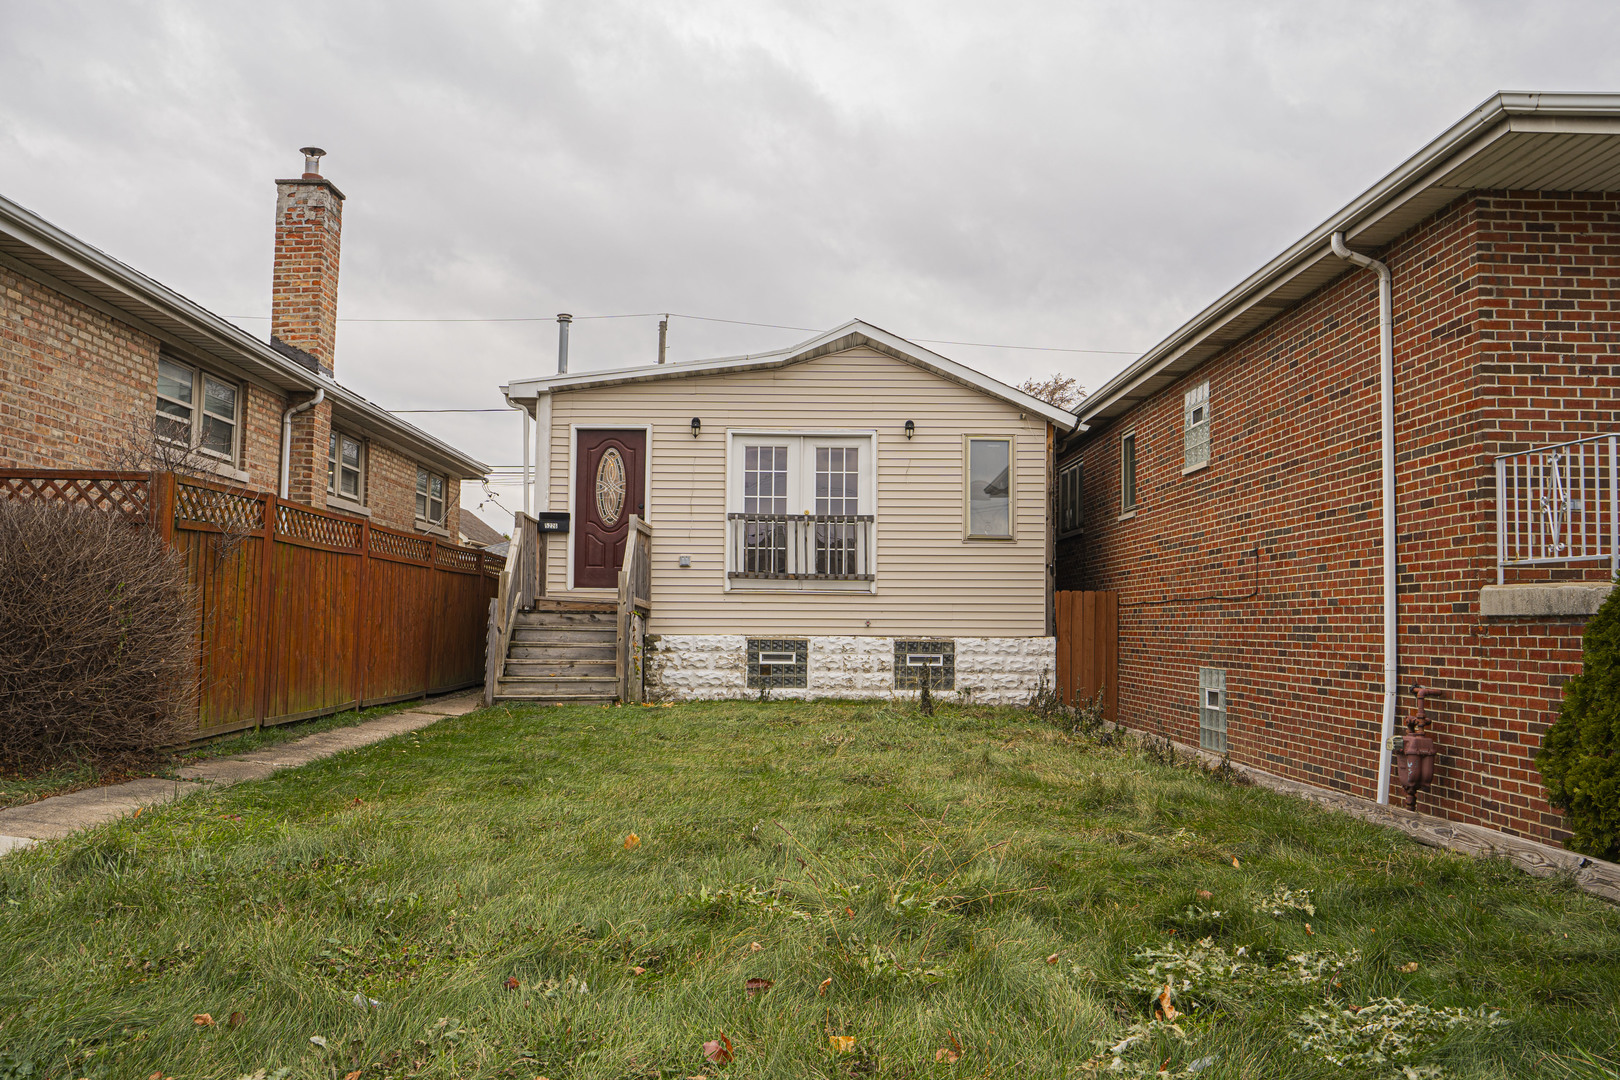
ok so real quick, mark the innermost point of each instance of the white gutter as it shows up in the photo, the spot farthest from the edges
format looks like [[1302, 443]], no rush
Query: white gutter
[[286, 434], [1386, 389]]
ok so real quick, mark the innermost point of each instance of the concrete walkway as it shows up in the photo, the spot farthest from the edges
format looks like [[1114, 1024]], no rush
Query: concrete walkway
[[59, 815]]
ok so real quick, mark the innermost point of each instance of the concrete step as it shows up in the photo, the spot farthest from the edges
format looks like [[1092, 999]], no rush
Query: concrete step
[[565, 618], [551, 668], [541, 635], [562, 650]]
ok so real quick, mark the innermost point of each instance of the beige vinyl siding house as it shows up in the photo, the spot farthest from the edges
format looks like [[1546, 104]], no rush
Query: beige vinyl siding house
[[839, 406]]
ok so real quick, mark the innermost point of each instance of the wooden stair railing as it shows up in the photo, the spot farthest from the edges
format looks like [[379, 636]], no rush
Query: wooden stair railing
[[635, 605], [523, 581]]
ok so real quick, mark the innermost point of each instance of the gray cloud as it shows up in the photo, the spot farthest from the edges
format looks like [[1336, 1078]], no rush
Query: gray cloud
[[1083, 175]]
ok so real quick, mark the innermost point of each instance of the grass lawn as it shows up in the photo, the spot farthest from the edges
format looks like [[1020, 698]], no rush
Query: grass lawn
[[971, 894]]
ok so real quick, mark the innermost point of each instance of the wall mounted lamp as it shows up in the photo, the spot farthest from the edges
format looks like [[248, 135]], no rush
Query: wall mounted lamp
[[697, 426], [911, 428]]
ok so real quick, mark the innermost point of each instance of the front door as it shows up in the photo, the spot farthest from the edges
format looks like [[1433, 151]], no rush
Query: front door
[[609, 486]]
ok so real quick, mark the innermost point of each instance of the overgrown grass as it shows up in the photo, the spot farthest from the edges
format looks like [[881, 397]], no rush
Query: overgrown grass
[[972, 894], [25, 786]]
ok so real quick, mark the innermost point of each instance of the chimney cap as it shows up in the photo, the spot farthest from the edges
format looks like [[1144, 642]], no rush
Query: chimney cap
[[312, 160]]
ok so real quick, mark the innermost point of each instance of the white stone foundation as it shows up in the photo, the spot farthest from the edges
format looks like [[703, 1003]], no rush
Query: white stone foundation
[[992, 671]]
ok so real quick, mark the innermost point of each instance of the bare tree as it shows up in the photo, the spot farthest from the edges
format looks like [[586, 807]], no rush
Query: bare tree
[[146, 447], [1059, 389]]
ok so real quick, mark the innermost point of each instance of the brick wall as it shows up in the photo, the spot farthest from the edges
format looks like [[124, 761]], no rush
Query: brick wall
[[304, 281], [391, 492], [1502, 339]]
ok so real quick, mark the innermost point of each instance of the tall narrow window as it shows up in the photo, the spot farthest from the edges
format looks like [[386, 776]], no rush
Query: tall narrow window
[[345, 467], [1195, 412], [429, 497], [989, 488], [765, 492], [1069, 519], [1127, 473], [838, 485], [1212, 709]]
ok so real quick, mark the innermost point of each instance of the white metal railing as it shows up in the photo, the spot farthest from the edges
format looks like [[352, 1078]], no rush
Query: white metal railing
[[827, 547], [1559, 504]]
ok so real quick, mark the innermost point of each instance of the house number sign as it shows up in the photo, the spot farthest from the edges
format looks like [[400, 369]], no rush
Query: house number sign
[[610, 487]]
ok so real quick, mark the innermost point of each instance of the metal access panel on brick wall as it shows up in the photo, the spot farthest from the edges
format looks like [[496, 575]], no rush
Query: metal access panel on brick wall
[[913, 660], [778, 663]]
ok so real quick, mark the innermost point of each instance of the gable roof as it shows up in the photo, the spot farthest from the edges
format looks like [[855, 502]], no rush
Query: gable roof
[[40, 251], [1513, 141], [478, 532], [853, 334]]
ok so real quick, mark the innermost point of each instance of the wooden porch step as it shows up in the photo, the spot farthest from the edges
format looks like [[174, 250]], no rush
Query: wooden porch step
[[562, 650], [564, 618], [545, 604], [559, 684], [537, 635], [555, 699], [562, 667]]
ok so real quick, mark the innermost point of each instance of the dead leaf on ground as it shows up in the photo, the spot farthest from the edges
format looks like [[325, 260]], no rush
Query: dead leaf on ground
[[821, 991], [352, 1076], [718, 1051], [1205, 894], [1052, 959], [1236, 864], [849, 912], [237, 1019], [758, 986], [842, 1044], [1309, 931], [1167, 1010], [1409, 968], [754, 946], [203, 1020], [632, 842], [947, 1055], [638, 971], [512, 982], [137, 813]]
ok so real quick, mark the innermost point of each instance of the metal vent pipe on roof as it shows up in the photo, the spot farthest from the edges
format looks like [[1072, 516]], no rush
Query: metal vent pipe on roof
[[1386, 385], [563, 322]]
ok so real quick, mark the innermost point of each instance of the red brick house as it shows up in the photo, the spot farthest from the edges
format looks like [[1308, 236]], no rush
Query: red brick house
[[92, 351], [1229, 485]]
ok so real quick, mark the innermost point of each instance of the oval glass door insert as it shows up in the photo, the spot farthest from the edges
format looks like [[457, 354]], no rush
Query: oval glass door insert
[[610, 487]]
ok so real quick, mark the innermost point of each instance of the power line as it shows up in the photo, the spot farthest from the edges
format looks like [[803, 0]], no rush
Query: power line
[[397, 412]]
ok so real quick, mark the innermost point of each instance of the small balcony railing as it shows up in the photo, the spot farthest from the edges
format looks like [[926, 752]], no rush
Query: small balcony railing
[[1559, 505], [818, 547]]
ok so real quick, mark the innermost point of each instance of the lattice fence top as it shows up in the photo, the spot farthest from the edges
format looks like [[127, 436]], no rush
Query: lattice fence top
[[494, 564], [229, 510], [122, 495], [457, 558], [317, 528], [401, 547]]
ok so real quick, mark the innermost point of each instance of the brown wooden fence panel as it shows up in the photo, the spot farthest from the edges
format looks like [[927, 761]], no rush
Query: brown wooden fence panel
[[1088, 649], [301, 611]]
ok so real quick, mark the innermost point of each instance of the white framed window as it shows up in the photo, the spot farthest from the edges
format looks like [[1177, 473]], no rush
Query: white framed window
[[1212, 709], [800, 507], [198, 409], [988, 500], [1127, 473], [1069, 487], [429, 497], [1195, 415], [346, 467]]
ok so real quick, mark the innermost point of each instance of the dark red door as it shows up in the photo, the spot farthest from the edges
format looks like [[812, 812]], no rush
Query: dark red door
[[608, 487]]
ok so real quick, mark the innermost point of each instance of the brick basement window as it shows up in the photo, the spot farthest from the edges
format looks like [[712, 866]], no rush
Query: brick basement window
[[913, 658], [1212, 709], [778, 663]]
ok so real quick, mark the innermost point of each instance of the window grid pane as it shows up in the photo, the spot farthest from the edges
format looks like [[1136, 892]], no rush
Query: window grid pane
[[838, 485]]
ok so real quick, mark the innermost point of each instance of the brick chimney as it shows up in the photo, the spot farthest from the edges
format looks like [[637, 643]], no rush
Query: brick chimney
[[304, 284], [303, 310]]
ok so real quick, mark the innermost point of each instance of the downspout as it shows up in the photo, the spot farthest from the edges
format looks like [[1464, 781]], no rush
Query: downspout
[[286, 434], [1386, 384]]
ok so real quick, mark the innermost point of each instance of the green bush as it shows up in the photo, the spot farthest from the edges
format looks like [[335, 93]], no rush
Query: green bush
[[1580, 757]]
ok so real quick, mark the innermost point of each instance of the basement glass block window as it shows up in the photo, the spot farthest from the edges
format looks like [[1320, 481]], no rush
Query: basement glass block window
[[1212, 709], [778, 663], [1195, 411], [917, 660]]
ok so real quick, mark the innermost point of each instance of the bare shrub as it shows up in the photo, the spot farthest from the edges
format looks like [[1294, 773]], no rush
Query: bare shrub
[[96, 630]]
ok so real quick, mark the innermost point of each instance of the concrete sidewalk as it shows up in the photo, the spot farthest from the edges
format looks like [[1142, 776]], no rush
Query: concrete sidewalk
[[55, 817]]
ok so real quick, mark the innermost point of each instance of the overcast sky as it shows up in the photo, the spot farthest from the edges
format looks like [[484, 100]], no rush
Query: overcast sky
[[1075, 175]]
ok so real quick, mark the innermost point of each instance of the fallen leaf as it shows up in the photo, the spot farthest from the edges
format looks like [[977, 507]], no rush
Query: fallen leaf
[[1205, 894], [237, 1019], [352, 1076], [1052, 959], [842, 1044], [512, 982], [318, 1041], [758, 986], [632, 842], [203, 1020], [849, 912], [1409, 968], [1166, 1009], [754, 946], [638, 970], [358, 801], [718, 1051], [947, 1055], [821, 991], [137, 813], [1235, 863], [1308, 930]]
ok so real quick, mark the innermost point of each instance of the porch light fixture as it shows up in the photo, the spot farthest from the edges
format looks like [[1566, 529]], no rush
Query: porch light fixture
[[911, 428], [697, 426]]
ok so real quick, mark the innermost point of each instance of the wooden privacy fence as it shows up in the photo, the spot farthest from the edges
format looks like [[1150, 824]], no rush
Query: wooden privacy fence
[[301, 612], [1088, 649]]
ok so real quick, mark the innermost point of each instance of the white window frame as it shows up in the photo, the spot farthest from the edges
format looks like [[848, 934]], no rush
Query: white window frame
[[334, 467], [444, 502], [1129, 476], [1011, 535], [200, 377], [1196, 442], [1212, 710], [801, 498], [1070, 475]]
